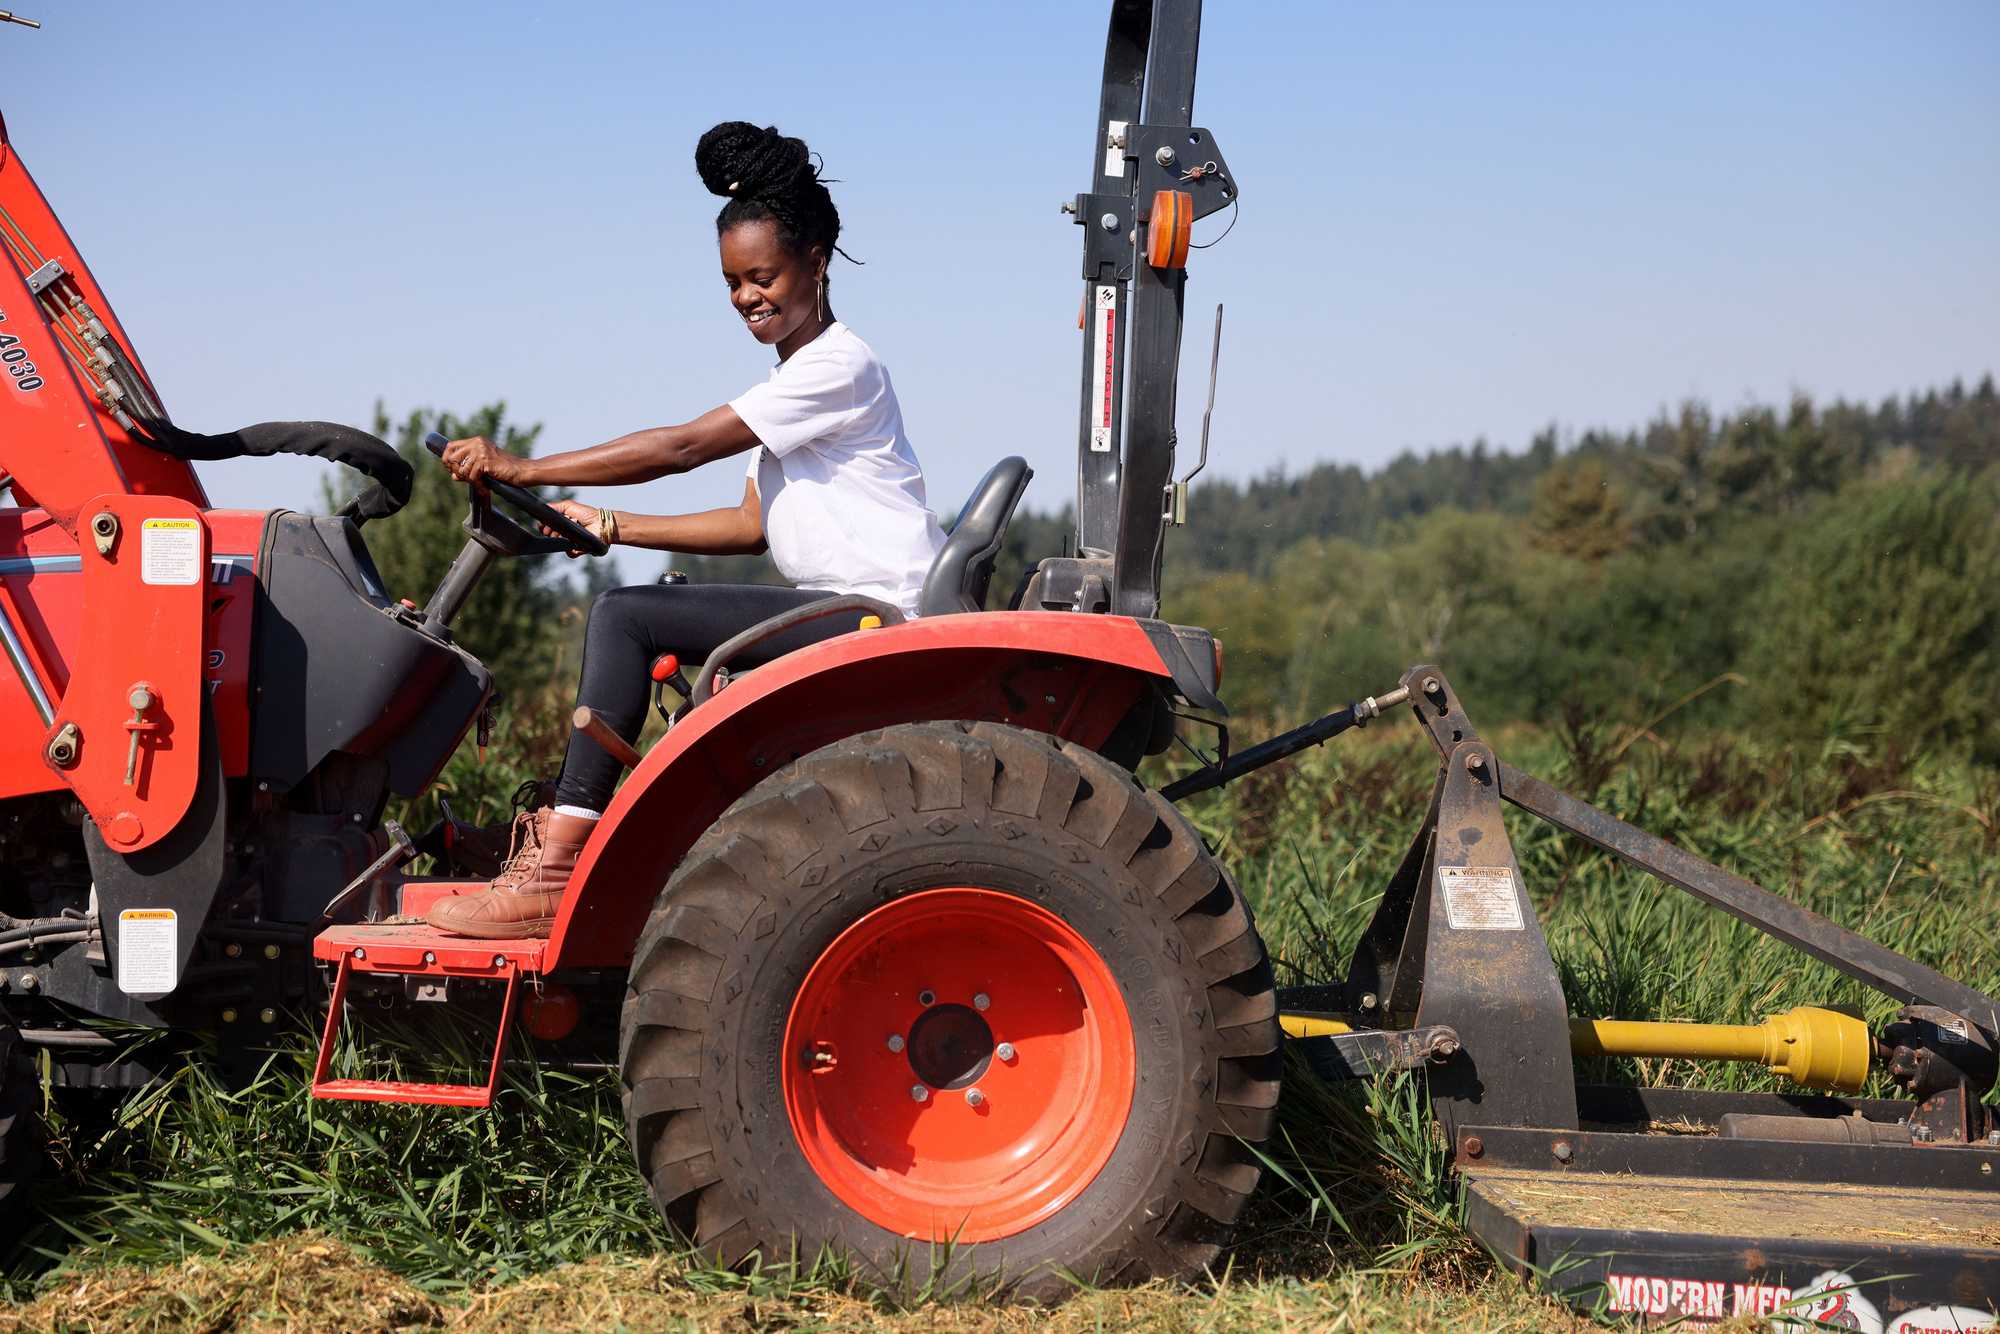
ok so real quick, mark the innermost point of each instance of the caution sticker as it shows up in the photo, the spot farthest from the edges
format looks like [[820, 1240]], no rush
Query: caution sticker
[[1104, 361], [1480, 898], [170, 551], [148, 943]]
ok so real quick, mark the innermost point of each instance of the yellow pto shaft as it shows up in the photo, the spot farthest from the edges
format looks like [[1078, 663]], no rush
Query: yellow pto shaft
[[1819, 1048], [1822, 1049]]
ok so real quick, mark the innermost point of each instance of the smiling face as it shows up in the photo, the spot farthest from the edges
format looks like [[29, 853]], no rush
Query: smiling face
[[774, 289]]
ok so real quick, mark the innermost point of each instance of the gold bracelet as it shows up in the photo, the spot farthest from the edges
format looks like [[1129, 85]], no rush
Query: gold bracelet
[[607, 526]]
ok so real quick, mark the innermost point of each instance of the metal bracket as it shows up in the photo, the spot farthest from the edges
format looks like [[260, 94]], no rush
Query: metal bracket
[[1108, 253], [45, 275], [1184, 158], [1374, 1052]]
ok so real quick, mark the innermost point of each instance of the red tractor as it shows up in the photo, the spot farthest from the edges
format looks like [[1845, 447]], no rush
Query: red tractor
[[916, 852], [902, 959]]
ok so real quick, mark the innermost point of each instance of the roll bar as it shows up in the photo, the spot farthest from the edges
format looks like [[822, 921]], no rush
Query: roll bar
[[1146, 142]]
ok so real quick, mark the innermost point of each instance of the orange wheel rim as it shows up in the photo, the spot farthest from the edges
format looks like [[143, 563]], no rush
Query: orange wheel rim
[[958, 1065]]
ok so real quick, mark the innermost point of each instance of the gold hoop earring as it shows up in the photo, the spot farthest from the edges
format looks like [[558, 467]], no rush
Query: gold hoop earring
[[822, 298]]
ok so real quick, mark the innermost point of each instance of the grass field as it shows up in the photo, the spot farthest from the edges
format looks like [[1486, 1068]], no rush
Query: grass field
[[210, 1209]]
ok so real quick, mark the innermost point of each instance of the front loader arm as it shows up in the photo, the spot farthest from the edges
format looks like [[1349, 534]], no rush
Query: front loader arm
[[69, 369]]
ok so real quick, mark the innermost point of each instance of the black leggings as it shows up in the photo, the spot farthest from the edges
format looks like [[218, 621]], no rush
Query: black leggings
[[630, 627]]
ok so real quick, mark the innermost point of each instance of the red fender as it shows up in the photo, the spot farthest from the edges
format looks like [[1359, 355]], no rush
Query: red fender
[[1070, 675]]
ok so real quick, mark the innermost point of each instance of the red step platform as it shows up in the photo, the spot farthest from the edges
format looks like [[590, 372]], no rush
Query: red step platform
[[418, 950]]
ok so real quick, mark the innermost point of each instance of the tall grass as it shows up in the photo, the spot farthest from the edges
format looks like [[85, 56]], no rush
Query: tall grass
[[1903, 850], [444, 1198]]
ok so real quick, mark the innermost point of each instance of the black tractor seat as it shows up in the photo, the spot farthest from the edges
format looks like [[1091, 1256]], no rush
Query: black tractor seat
[[957, 580], [964, 566]]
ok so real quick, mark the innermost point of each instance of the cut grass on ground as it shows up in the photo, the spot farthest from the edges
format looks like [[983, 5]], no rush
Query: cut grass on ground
[[312, 1284]]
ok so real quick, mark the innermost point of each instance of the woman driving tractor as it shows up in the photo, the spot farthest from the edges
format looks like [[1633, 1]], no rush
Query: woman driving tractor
[[834, 493]]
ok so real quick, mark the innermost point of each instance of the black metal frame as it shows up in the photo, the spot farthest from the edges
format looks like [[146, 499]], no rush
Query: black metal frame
[[1146, 142]]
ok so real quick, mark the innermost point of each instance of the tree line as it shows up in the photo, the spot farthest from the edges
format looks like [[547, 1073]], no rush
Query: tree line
[[1826, 574]]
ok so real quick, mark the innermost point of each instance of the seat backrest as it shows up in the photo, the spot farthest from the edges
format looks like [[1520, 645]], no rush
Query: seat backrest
[[964, 566]]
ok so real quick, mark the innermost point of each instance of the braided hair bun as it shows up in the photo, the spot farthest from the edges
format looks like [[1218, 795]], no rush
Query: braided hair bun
[[768, 176], [740, 160]]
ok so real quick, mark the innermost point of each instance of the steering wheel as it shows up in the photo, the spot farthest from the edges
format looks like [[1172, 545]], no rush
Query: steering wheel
[[573, 535]]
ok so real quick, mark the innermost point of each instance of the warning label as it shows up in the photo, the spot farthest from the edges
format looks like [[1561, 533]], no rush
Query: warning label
[[1104, 360], [1480, 898], [148, 940], [170, 551]]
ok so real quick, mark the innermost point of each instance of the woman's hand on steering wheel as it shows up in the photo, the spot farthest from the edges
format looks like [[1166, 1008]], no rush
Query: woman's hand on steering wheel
[[475, 459], [584, 516], [483, 467]]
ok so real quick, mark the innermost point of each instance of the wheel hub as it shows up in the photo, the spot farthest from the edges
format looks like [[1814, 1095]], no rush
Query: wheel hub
[[950, 1046]]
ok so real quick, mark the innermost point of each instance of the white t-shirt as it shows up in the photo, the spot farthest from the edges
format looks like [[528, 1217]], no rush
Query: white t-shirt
[[841, 489]]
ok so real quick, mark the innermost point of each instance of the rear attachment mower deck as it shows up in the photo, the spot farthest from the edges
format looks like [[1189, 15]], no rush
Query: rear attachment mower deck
[[1665, 1203]]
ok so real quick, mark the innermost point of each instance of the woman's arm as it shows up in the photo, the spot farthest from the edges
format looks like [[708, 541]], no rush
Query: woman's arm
[[738, 531], [639, 457]]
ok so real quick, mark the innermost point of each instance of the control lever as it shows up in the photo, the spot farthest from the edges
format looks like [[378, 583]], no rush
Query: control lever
[[1177, 493], [401, 851], [667, 672]]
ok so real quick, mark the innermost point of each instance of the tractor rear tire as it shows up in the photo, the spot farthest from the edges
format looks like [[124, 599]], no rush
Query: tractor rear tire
[[956, 1001]]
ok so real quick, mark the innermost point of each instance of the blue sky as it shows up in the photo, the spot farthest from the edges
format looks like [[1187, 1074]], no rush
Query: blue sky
[[1458, 220]]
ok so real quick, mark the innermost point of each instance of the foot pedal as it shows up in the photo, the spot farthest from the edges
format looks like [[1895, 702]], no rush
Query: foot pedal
[[394, 1090]]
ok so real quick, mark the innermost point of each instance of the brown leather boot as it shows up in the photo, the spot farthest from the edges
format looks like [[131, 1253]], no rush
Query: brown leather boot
[[521, 901], [482, 851]]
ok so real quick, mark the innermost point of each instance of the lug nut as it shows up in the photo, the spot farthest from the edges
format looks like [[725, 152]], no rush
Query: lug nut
[[918, 1093], [1164, 155], [974, 1098], [895, 1042], [1005, 1051], [981, 1001]]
